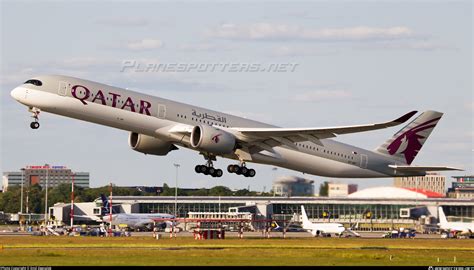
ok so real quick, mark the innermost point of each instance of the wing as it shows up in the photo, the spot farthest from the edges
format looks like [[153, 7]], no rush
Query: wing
[[423, 168], [271, 137], [257, 139]]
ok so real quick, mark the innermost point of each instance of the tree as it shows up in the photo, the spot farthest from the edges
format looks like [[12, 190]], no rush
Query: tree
[[242, 192], [200, 192], [323, 189], [220, 191]]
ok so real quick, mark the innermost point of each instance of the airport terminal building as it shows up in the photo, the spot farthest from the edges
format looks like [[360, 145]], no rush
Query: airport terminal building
[[374, 213]]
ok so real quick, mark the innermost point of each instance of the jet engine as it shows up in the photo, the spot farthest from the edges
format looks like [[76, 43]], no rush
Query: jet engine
[[149, 145], [212, 140]]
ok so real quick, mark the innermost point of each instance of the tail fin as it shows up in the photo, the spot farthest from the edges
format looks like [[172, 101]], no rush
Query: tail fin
[[306, 221], [406, 143], [441, 216], [105, 205]]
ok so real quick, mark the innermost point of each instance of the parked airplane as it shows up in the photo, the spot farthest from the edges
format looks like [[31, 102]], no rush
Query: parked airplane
[[135, 221], [457, 228], [158, 125], [321, 229]]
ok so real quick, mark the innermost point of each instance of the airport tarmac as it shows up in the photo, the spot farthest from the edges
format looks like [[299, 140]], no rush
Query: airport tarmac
[[278, 235], [246, 234]]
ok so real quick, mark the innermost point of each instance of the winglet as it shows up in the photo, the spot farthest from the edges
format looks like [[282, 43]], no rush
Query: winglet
[[405, 117]]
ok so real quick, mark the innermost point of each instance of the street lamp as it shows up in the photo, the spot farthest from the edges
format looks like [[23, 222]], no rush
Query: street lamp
[[46, 166], [176, 192], [22, 181]]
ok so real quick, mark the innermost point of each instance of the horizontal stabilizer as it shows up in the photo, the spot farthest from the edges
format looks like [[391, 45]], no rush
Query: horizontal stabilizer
[[423, 168]]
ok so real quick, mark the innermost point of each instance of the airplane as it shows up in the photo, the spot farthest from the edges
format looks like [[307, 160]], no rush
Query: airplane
[[136, 221], [157, 126], [321, 229], [457, 228]]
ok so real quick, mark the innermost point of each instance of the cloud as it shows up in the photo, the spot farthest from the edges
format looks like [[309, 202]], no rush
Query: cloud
[[293, 51], [268, 31], [418, 45], [123, 22], [205, 47], [145, 44], [469, 106], [321, 95]]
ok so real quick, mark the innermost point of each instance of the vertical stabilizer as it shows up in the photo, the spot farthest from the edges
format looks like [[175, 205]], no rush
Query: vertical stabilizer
[[406, 143], [105, 205], [441, 216], [306, 222]]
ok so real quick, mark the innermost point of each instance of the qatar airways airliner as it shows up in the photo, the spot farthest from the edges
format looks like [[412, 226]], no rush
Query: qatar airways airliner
[[158, 126]]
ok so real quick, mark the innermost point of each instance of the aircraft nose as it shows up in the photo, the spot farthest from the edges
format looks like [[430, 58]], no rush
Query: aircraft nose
[[17, 93]]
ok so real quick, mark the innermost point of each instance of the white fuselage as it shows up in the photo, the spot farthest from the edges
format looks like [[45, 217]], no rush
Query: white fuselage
[[136, 220], [149, 115], [324, 228], [464, 227]]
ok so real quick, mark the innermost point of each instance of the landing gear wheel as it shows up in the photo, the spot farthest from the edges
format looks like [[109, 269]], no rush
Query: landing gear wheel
[[244, 170], [230, 168], [218, 173], [237, 170], [204, 170], [211, 171], [34, 125], [251, 173], [197, 169]]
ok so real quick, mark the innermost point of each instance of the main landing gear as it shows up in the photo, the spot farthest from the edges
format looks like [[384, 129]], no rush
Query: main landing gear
[[208, 169], [35, 115], [241, 170]]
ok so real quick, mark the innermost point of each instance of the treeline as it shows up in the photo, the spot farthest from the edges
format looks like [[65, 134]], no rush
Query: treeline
[[10, 200]]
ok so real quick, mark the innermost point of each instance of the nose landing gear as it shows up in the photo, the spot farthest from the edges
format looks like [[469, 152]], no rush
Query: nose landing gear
[[35, 115]]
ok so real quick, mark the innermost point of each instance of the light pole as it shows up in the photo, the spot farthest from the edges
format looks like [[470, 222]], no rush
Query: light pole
[[22, 181], [274, 169], [46, 166], [176, 192]]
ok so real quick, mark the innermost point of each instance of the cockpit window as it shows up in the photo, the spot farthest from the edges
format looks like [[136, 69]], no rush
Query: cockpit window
[[34, 82]]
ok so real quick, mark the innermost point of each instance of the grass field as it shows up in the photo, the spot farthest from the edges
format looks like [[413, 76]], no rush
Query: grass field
[[31, 250]]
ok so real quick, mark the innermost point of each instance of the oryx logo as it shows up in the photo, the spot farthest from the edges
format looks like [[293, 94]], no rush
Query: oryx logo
[[410, 140], [215, 138]]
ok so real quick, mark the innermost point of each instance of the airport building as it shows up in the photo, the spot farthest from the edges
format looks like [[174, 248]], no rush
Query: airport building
[[53, 175], [462, 188], [430, 182], [341, 189], [370, 210], [293, 186]]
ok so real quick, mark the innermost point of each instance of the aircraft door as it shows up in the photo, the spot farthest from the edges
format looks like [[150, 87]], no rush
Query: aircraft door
[[363, 161], [63, 87], [161, 111]]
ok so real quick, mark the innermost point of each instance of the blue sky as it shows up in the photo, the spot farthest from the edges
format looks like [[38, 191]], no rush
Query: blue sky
[[357, 62]]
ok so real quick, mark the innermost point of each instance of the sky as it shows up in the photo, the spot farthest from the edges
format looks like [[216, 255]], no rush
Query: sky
[[355, 62]]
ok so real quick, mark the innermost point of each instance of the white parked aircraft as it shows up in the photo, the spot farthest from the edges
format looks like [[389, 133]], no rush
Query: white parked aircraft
[[454, 227], [136, 221], [157, 126], [321, 229]]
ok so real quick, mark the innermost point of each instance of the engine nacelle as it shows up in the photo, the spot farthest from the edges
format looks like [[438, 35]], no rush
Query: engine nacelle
[[212, 140], [149, 145]]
